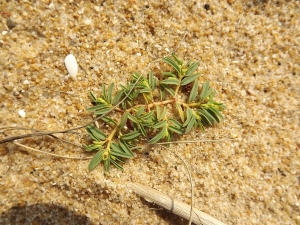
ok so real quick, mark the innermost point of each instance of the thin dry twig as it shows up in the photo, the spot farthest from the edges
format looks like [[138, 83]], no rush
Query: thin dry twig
[[175, 206], [48, 153]]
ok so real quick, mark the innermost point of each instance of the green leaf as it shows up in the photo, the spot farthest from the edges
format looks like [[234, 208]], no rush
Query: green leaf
[[171, 81], [94, 98], [104, 92], [152, 81], [177, 59], [95, 133], [213, 114], [125, 147], [180, 111], [96, 159], [189, 79], [159, 136], [205, 91], [173, 64], [132, 118], [147, 116], [116, 164], [91, 147], [207, 116], [169, 74], [107, 164], [117, 151], [131, 135], [160, 124], [189, 114], [97, 107], [140, 111], [142, 129], [175, 122], [217, 112], [178, 130], [118, 97], [192, 68], [123, 119], [191, 124], [108, 120], [103, 111], [109, 92], [161, 112], [194, 91], [170, 90], [145, 90]]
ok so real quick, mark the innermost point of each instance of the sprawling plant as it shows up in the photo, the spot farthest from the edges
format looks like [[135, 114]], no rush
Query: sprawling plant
[[155, 108]]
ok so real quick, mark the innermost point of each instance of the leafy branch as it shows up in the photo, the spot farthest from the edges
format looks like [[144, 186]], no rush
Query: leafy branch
[[152, 110]]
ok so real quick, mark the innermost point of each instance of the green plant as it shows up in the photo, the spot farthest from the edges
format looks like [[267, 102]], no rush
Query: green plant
[[157, 107]]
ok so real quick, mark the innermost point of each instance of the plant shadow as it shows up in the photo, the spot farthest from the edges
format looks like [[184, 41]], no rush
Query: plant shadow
[[43, 214]]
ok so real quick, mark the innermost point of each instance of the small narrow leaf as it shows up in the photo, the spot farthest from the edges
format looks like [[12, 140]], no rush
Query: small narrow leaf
[[189, 79], [217, 112], [169, 74], [206, 116], [123, 119], [147, 116], [163, 113], [176, 130], [132, 118], [158, 111], [189, 114], [117, 151], [172, 63], [104, 92], [140, 111], [91, 147], [180, 112], [175, 122], [96, 160], [159, 136], [171, 81], [125, 148], [109, 92], [107, 164], [177, 59], [194, 91], [103, 111], [204, 92], [212, 113], [191, 124], [160, 124], [131, 135], [118, 97], [94, 98], [97, 107], [192, 68], [108, 120], [116, 164], [170, 90], [95, 133]]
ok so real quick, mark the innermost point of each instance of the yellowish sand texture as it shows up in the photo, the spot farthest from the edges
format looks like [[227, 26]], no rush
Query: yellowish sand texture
[[249, 50]]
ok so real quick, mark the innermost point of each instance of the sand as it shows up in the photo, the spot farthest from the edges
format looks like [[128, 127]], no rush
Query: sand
[[248, 50]]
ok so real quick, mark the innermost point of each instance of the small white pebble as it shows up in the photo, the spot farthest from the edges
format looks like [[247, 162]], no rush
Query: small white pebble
[[4, 32], [87, 21], [138, 54], [22, 113], [26, 82], [71, 65]]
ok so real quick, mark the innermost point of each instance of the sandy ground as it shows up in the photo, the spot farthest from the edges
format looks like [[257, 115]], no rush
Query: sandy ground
[[249, 50]]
